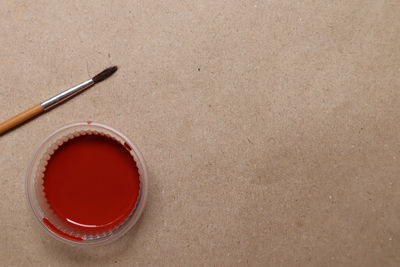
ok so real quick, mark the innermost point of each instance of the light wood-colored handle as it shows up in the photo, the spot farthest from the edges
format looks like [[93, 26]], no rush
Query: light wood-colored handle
[[19, 118]]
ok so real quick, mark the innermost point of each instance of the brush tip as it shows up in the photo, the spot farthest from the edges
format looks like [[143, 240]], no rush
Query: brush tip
[[104, 74]]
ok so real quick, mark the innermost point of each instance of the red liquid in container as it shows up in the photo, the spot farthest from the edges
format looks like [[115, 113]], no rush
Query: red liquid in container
[[91, 182]]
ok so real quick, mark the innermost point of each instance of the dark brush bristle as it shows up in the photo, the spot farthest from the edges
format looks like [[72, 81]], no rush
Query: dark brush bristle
[[104, 74]]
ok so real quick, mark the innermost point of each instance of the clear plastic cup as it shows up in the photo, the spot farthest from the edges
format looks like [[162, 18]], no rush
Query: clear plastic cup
[[34, 184]]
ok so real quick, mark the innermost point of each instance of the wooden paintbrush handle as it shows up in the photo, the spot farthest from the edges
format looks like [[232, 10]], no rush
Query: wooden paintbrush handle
[[19, 118]]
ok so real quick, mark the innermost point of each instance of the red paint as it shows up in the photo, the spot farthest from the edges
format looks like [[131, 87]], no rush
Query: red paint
[[127, 146], [55, 230], [91, 182]]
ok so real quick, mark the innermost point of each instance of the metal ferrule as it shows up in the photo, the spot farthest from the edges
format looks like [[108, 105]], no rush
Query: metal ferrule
[[51, 102]]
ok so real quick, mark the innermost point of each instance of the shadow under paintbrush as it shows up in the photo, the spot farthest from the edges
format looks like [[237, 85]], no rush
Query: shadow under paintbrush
[[20, 125], [38, 115], [22, 117]]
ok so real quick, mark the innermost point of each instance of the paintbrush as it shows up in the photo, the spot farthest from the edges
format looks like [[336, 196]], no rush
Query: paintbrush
[[55, 100]]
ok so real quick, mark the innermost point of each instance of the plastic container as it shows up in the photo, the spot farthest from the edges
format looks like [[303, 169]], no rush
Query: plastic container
[[35, 188]]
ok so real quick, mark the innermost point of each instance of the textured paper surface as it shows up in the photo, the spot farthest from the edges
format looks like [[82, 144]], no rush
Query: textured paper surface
[[270, 128]]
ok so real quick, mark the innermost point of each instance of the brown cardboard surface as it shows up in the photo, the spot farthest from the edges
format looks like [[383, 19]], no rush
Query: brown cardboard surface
[[270, 128]]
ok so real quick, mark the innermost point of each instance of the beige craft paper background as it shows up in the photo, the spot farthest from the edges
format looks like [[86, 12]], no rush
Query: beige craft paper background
[[270, 128]]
